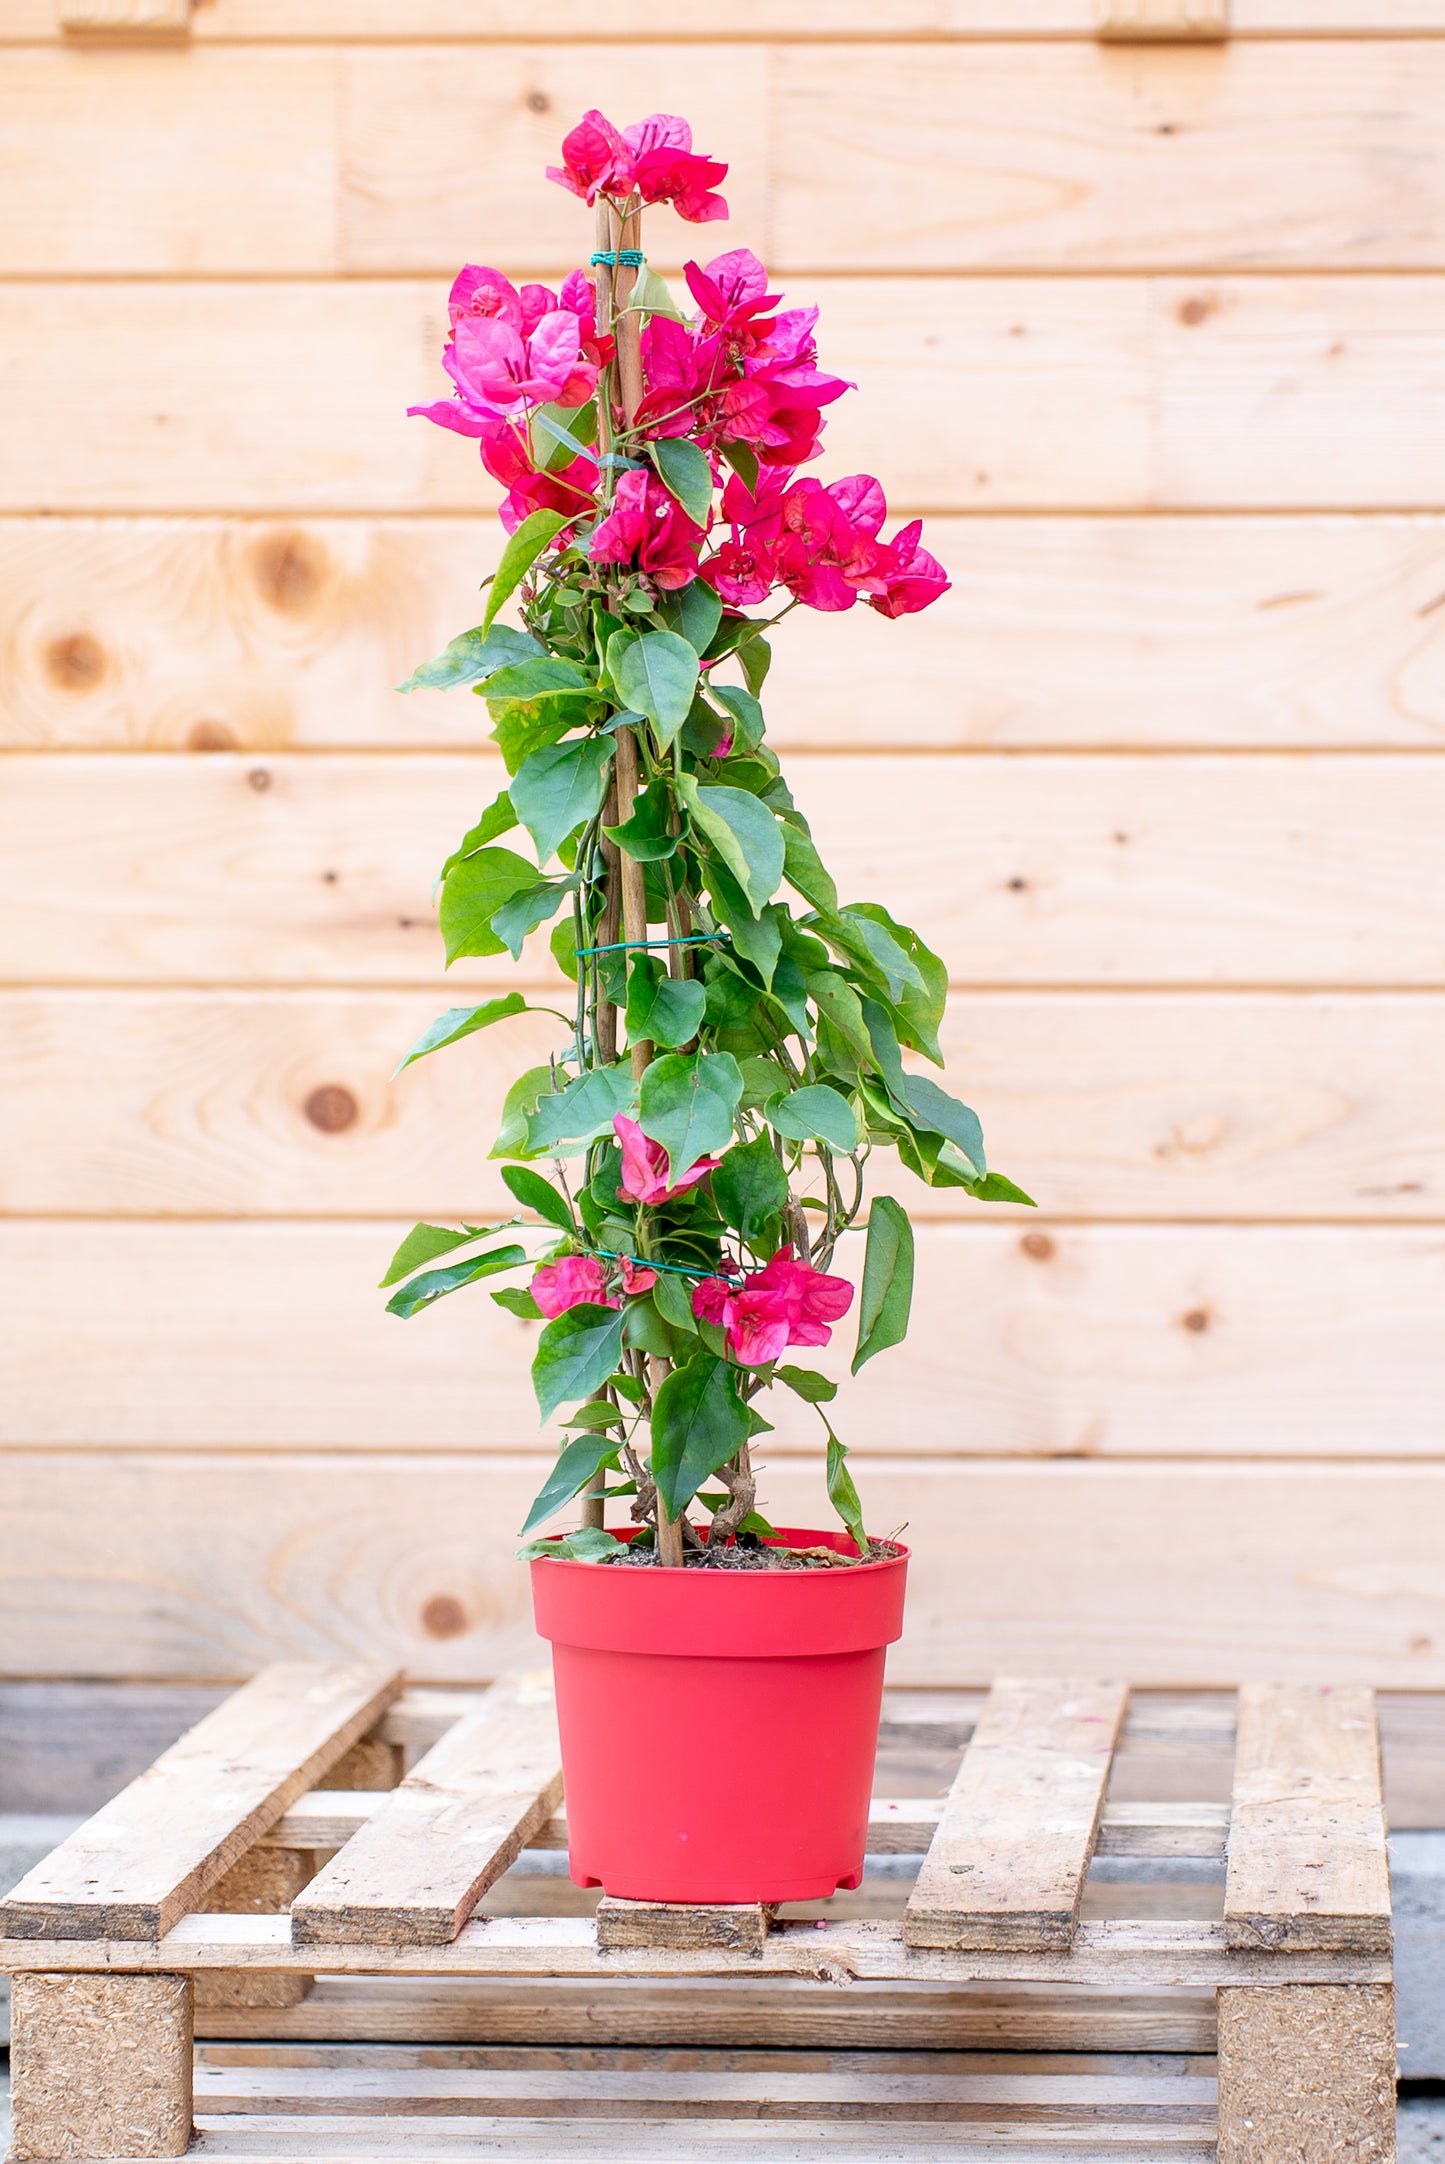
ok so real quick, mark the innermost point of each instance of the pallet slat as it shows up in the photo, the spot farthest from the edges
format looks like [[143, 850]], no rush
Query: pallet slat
[[1307, 1863], [1006, 1867], [417, 1867], [149, 1855]]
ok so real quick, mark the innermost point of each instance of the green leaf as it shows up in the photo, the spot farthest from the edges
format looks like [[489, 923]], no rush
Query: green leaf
[[472, 893], [747, 715], [519, 1302], [750, 1186], [562, 433], [556, 789], [646, 1329], [763, 1079], [589, 1544], [546, 677], [887, 1293], [934, 1110], [434, 1284], [995, 1188], [583, 1111], [525, 725], [498, 818], [842, 1494], [472, 658], [895, 965], [920, 1011], [805, 871], [459, 1022], [595, 1415], [519, 555], [672, 1296], [687, 1104], [650, 296], [807, 1383], [536, 1193], [756, 939], [576, 1354], [815, 1114], [884, 1045], [693, 612], [578, 1464], [666, 1010], [686, 472], [646, 834], [839, 1006], [425, 1242], [523, 912], [755, 657], [744, 462], [698, 1423], [519, 1103], [744, 833], [657, 676]]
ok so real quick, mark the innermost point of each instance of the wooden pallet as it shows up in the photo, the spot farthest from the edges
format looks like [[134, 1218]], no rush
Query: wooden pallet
[[1015, 2001]]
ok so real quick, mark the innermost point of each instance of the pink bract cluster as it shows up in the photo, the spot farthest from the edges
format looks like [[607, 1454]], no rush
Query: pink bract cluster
[[785, 1303], [739, 378]]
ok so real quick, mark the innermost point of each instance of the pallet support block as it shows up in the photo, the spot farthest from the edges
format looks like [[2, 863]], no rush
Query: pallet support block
[[264, 1883], [1306, 2072], [101, 2066], [685, 1926]]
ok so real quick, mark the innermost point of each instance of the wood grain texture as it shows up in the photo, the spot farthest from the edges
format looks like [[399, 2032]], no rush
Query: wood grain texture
[[1231, 632], [424, 1858], [625, 1925], [1312, 392], [1307, 1862], [1084, 1341], [689, 21], [1006, 1867], [1100, 870], [132, 1564], [1234, 1106], [152, 1852], [1011, 156]]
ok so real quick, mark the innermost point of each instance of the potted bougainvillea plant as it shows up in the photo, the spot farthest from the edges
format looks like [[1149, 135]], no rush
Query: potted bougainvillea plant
[[734, 1052]]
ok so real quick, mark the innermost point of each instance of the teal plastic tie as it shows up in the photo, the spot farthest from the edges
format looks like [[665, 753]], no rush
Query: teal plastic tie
[[630, 258]]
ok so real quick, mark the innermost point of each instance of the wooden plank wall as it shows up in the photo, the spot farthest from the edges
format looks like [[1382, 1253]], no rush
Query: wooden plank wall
[[1155, 337]]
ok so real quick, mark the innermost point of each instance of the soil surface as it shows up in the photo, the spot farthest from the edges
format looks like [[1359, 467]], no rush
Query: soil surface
[[760, 1558]]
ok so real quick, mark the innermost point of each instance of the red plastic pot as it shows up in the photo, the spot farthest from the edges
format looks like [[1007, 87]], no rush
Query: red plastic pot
[[719, 1727]]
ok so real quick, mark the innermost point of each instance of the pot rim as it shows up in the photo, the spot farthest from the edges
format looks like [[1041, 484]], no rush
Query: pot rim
[[782, 1536]]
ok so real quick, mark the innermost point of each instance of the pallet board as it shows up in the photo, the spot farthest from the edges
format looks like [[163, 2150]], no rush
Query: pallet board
[[207, 1565], [1099, 870], [278, 1104]]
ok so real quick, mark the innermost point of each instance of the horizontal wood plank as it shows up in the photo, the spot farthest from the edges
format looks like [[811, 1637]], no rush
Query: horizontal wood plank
[[1229, 632], [1007, 1865], [1186, 1105], [567, 21], [1098, 1341], [1307, 1858], [1009, 156], [1116, 1952], [133, 1564], [423, 1859], [1101, 870], [153, 1851], [1312, 392]]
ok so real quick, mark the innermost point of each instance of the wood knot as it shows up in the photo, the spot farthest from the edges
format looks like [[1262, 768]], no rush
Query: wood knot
[[443, 1616], [260, 779], [1196, 310], [331, 1108], [538, 102], [76, 662], [1037, 1246], [1198, 1320], [212, 736], [289, 568]]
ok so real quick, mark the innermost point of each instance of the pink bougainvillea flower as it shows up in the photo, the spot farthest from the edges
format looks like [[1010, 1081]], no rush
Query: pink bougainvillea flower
[[828, 549], [730, 290], [509, 350], [648, 528], [909, 576], [636, 1277], [644, 1166], [478, 291], [786, 1303], [596, 159], [654, 159], [560, 1285], [506, 456]]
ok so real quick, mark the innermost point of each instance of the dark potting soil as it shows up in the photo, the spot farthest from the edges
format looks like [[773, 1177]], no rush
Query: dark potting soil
[[760, 1558]]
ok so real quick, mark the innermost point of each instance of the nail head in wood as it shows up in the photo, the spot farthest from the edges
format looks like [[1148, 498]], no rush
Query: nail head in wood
[[1162, 22]]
